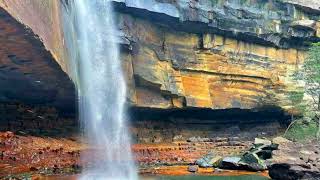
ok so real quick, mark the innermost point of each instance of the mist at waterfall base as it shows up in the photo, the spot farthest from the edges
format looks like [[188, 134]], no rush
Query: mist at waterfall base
[[91, 40]]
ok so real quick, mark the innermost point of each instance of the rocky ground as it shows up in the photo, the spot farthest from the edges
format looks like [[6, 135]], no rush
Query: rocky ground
[[295, 160], [284, 159], [26, 154], [21, 154]]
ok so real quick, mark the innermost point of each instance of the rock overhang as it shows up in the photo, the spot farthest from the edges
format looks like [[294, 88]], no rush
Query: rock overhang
[[29, 73], [217, 55]]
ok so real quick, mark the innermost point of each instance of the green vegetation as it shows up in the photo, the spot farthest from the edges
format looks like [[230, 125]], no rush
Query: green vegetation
[[307, 101], [296, 98], [302, 130]]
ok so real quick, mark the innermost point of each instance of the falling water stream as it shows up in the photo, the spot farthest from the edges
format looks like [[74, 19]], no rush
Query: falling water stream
[[91, 39]]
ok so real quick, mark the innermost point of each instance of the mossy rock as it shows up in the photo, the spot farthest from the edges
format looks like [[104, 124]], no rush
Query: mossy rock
[[251, 161], [205, 160], [216, 161], [265, 154], [230, 163]]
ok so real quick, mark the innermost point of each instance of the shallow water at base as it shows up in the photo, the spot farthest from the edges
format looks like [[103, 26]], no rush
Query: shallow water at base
[[245, 177], [249, 177]]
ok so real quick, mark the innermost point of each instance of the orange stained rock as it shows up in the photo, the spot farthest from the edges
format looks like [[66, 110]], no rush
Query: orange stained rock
[[21, 154], [176, 171], [167, 171], [180, 152], [55, 177], [196, 90], [183, 170], [162, 54]]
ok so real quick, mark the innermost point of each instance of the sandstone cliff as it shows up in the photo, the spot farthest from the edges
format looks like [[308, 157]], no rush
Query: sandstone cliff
[[216, 54]]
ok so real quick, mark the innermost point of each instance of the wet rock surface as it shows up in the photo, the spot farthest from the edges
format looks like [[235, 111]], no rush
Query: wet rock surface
[[209, 160], [230, 163], [54, 155], [252, 159], [262, 155], [193, 168]]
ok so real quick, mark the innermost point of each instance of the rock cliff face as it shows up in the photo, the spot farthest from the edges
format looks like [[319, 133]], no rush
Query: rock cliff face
[[214, 54]]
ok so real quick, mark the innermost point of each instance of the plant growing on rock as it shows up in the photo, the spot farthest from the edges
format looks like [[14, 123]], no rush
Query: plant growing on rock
[[298, 107], [309, 73]]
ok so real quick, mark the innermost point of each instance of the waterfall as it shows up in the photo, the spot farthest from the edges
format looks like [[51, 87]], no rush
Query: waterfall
[[92, 44]]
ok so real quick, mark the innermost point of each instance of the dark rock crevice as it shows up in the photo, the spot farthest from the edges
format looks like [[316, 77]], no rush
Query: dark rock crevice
[[260, 114], [284, 171]]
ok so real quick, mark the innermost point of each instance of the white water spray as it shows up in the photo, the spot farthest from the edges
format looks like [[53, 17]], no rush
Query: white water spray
[[91, 39]]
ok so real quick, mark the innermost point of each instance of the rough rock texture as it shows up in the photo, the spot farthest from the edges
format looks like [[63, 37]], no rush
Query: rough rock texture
[[43, 17], [178, 69], [185, 53], [212, 54], [269, 22], [24, 154], [230, 126], [295, 160], [215, 54], [28, 72]]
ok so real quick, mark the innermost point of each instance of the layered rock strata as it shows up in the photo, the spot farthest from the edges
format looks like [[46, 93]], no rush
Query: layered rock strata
[[215, 54]]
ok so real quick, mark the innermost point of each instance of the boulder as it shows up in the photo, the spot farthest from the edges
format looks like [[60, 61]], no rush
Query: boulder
[[252, 162], [215, 161], [230, 163], [280, 140], [258, 147], [264, 154], [294, 160], [209, 160], [193, 168], [292, 172], [262, 141], [271, 147], [263, 148]]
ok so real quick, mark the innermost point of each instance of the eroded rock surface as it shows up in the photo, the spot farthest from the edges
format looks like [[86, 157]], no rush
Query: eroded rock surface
[[265, 21], [209, 54], [295, 160], [203, 54], [30, 154]]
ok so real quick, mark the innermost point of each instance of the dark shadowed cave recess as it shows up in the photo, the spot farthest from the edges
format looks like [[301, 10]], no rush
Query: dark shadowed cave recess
[[155, 125], [38, 98], [35, 94], [28, 72]]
